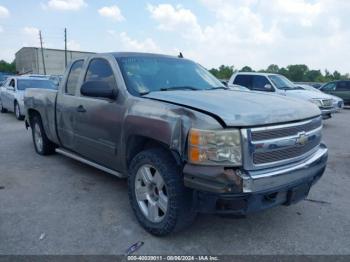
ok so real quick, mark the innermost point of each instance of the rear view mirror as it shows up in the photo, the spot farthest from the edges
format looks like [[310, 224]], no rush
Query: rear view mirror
[[99, 89]]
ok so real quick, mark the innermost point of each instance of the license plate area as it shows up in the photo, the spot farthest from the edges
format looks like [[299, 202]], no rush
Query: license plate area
[[297, 193]]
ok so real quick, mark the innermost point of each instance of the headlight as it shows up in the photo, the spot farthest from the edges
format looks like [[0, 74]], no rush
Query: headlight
[[215, 147], [316, 102]]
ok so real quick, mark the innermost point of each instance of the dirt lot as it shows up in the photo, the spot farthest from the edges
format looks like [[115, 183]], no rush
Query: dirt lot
[[54, 205]]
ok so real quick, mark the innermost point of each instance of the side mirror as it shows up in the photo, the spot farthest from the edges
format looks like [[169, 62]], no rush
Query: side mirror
[[99, 89], [268, 88]]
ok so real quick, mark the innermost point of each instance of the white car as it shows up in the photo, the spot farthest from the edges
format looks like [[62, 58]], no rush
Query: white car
[[278, 84], [12, 93], [338, 103]]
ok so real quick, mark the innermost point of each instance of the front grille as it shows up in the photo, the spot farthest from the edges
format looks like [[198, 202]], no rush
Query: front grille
[[274, 145], [282, 154], [285, 131]]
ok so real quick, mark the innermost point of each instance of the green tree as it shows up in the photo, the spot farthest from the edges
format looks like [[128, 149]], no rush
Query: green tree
[[246, 69], [297, 73], [224, 72], [272, 69], [6, 67]]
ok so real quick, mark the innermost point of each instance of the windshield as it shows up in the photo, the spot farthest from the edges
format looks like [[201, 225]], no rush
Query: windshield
[[282, 82], [28, 83], [147, 74]]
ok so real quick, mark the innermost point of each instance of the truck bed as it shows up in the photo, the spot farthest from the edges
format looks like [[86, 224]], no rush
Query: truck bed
[[43, 101]]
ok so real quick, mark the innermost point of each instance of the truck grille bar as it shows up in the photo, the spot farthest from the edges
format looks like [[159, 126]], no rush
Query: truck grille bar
[[280, 144]]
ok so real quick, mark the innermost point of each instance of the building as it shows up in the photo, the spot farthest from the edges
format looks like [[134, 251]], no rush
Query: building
[[29, 60]]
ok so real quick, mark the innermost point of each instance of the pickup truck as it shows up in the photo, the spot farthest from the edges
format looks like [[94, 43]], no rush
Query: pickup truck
[[186, 143]]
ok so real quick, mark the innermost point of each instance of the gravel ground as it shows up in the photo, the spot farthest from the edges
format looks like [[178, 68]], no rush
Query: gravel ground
[[54, 205]]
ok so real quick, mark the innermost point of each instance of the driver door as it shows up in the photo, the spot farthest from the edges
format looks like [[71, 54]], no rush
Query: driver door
[[98, 120]]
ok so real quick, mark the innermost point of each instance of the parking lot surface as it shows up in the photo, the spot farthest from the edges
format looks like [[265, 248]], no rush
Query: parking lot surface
[[54, 205]]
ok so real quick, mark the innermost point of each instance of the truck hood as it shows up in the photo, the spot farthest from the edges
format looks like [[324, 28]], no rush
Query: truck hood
[[240, 108], [307, 95]]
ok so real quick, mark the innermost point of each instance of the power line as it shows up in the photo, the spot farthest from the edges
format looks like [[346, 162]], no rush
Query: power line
[[65, 46], [42, 51]]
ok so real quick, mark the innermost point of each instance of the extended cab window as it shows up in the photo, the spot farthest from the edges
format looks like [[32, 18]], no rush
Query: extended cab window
[[100, 70], [73, 77], [244, 80]]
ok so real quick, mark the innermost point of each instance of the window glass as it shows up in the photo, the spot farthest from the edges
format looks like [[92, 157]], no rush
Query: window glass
[[343, 86], [12, 83], [259, 83], [100, 70], [244, 80], [73, 77], [282, 82], [329, 87], [23, 84], [149, 74]]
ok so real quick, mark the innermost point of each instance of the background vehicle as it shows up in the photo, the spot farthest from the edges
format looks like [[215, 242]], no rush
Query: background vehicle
[[239, 88], [338, 88], [278, 84], [186, 143], [12, 93], [338, 103]]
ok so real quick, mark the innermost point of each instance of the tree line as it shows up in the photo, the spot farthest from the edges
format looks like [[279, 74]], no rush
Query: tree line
[[296, 73], [6, 67]]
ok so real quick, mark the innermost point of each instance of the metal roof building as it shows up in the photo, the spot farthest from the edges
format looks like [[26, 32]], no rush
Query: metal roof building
[[29, 60]]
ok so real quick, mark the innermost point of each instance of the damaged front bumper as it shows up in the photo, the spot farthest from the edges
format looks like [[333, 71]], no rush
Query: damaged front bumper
[[221, 190]]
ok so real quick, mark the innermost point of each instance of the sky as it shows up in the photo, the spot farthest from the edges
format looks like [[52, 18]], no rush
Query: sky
[[212, 32]]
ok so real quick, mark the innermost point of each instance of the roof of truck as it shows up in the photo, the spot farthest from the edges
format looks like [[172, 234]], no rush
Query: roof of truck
[[135, 54]]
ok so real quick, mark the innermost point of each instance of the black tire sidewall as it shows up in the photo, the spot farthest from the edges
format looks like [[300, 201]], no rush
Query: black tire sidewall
[[37, 121], [171, 174]]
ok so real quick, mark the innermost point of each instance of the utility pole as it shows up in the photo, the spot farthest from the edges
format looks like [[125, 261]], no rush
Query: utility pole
[[42, 51], [65, 46]]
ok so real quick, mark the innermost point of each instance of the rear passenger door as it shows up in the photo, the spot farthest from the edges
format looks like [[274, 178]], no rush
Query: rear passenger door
[[66, 105], [98, 120], [343, 90]]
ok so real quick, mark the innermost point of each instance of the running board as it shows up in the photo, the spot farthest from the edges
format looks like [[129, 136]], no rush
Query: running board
[[88, 162]]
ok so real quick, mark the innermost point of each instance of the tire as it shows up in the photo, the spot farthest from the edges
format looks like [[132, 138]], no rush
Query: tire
[[17, 111], [42, 145], [178, 212], [3, 109]]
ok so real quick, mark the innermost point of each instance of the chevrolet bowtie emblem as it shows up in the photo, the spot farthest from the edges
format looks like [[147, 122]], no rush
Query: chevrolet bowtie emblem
[[302, 139]]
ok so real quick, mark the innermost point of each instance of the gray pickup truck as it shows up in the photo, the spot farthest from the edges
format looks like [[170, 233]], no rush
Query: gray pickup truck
[[185, 142]]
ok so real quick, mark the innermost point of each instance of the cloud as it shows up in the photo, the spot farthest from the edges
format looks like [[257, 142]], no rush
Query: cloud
[[4, 12], [175, 18], [31, 36], [73, 45], [65, 5], [129, 44], [113, 12], [259, 33]]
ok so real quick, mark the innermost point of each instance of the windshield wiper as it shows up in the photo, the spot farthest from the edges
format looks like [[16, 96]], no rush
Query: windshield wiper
[[217, 87], [179, 88]]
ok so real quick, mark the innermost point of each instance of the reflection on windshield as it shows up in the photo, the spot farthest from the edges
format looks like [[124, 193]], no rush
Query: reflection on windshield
[[147, 74], [29, 83], [282, 82]]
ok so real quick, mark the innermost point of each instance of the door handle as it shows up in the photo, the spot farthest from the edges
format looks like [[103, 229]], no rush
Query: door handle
[[81, 109]]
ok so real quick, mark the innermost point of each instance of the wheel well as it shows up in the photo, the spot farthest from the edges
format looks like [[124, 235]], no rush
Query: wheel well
[[31, 114], [136, 144]]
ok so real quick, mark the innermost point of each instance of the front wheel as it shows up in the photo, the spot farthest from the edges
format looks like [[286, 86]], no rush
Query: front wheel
[[157, 194], [17, 110], [42, 145], [3, 109]]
